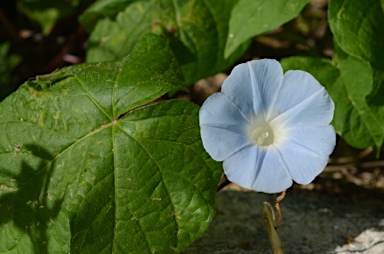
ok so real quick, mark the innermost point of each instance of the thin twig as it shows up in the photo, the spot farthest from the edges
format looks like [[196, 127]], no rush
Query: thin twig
[[367, 164], [222, 185], [278, 208], [356, 158]]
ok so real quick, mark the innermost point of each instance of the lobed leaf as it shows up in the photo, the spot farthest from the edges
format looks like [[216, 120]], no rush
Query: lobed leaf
[[88, 167]]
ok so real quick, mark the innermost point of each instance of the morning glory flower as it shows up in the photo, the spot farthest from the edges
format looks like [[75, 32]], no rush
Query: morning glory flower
[[269, 128]]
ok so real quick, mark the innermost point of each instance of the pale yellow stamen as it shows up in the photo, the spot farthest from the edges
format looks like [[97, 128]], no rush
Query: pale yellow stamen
[[262, 135]]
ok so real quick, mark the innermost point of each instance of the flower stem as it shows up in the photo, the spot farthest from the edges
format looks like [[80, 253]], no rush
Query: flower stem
[[271, 224]]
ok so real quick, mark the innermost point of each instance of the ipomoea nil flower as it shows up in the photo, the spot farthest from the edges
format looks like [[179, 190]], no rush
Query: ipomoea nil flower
[[269, 128]]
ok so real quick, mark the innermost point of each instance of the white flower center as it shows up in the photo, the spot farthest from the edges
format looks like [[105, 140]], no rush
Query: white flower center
[[262, 135]]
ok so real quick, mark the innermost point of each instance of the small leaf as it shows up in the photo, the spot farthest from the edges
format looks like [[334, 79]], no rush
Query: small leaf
[[112, 39], [100, 9], [48, 13], [86, 167], [8, 63], [252, 17]]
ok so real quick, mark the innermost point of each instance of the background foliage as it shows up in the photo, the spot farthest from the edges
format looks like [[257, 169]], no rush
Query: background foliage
[[97, 153]]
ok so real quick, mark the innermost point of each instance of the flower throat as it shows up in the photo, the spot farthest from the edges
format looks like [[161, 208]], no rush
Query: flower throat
[[262, 135]]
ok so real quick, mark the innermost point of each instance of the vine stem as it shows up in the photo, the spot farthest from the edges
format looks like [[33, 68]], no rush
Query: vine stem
[[278, 208]]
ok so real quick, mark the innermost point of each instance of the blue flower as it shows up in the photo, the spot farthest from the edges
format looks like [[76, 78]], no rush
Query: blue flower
[[269, 128]]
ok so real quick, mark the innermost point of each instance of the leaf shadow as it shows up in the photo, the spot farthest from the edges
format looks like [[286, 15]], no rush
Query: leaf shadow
[[29, 209]]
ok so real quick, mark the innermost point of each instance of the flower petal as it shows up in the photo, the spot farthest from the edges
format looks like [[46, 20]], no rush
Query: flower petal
[[222, 127], [259, 169], [320, 139], [306, 153], [252, 85], [303, 101]]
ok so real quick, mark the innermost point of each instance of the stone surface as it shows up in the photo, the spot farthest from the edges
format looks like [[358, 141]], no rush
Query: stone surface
[[348, 221], [368, 242]]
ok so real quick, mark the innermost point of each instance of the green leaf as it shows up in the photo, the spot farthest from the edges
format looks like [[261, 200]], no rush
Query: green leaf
[[88, 166], [357, 28], [101, 9], [359, 123], [112, 39], [197, 31], [7, 64], [48, 13], [366, 120], [252, 17]]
